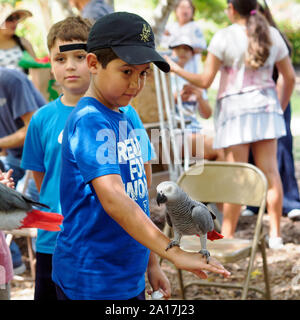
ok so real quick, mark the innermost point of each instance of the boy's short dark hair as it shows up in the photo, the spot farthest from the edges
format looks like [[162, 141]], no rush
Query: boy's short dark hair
[[105, 56], [69, 29]]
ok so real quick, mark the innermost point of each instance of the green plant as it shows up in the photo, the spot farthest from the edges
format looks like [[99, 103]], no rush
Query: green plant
[[293, 35], [12, 2]]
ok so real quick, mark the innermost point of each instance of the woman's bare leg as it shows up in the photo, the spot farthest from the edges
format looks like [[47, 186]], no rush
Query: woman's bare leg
[[231, 212], [264, 153]]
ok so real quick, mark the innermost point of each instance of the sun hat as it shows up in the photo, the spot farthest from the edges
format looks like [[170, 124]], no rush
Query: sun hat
[[6, 10], [181, 39], [129, 36]]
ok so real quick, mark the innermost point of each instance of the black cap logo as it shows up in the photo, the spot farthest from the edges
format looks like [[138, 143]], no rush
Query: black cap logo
[[146, 33]]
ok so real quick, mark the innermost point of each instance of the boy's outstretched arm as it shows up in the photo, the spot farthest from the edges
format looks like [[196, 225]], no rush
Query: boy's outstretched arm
[[111, 193]]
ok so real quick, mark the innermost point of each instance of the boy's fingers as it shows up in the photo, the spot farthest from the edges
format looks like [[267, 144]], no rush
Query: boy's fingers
[[201, 274], [9, 173], [215, 266], [218, 268]]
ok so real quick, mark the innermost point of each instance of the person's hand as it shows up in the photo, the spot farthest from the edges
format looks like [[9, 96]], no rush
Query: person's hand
[[190, 92], [197, 264], [6, 178], [158, 281], [173, 65]]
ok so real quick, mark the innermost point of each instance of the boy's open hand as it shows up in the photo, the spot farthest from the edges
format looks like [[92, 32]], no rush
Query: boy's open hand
[[194, 262]]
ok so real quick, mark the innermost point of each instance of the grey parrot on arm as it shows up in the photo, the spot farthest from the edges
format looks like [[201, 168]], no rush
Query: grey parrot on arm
[[186, 216], [16, 212]]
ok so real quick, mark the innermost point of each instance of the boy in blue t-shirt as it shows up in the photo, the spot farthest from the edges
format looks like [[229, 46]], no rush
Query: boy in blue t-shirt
[[42, 148], [103, 251]]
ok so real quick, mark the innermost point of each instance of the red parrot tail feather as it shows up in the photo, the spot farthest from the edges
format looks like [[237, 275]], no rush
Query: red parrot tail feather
[[214, 235], [42, 220]]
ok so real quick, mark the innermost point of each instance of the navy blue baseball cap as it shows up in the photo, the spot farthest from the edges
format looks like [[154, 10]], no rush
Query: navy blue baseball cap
[[129, 36]]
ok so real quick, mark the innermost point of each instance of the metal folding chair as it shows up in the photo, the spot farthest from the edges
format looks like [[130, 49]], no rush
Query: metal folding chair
[[238, 183]]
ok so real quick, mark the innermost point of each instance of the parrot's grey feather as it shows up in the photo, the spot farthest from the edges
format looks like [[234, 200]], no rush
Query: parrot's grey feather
[[185, 215], [10, 200], [212, 214], [168, 219], [201, 218]]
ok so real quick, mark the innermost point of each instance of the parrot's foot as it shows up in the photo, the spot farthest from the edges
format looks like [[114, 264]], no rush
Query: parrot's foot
[[205, 253], [172, 244]]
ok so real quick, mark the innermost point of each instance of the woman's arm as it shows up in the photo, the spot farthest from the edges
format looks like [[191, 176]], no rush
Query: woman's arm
[[28, 47], [17, 138], [34, 73], [286, 81], [203, 80]]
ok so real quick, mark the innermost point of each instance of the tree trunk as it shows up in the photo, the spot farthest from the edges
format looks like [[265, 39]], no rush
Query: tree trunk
[[46, 12], [161, 16]]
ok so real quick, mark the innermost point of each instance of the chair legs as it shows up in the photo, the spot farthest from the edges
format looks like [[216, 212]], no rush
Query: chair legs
[[180, 279], [31, 257], [265, 268], [267, 292]]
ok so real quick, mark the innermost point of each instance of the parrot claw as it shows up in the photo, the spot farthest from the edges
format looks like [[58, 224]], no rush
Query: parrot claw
[[172, 244], [206, 254]]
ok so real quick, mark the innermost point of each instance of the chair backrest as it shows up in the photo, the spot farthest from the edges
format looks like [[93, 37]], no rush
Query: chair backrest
[[219, 182]]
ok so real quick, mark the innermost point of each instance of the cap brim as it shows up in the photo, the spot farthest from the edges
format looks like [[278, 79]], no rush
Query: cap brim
[[141, 55]]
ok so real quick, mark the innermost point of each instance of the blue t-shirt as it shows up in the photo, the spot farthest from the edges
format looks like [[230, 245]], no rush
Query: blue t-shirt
[[94, 257], [42, 153], [18, 96]]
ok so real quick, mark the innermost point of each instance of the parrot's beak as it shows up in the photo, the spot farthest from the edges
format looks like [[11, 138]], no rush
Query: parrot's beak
[[161, 198]]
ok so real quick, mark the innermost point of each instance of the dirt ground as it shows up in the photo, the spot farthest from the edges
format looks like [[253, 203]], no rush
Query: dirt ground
[[284, 267]]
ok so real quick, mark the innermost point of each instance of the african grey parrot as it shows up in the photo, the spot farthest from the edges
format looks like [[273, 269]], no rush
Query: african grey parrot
[[186, 216], [16, 212]]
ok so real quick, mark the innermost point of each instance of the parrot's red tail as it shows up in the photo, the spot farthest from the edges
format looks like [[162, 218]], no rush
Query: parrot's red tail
[[42, 220], [214, 235]]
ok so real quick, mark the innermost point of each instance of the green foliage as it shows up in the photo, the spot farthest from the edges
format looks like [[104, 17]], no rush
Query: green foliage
[[293, 34], [12, 2], [28, 30], [211, 10]]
